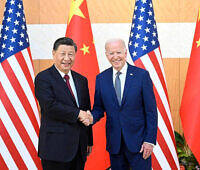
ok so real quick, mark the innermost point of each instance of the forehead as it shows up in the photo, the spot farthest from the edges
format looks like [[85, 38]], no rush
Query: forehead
[[116, 45], [66, 48]]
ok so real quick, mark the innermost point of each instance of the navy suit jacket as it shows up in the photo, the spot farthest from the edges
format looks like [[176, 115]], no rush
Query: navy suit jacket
[[61, 133], [136, 118]]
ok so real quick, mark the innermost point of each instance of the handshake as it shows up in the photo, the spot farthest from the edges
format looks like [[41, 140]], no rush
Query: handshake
[[85, 117]]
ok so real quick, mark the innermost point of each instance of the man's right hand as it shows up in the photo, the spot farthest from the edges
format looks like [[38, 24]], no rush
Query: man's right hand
[[90, 117], [83, 117]]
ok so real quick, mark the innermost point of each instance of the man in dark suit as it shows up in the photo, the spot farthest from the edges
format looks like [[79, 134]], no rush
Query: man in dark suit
[[125, 93], [63, 95]]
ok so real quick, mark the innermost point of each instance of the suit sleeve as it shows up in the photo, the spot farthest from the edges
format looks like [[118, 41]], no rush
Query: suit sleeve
[[150, 110], [98, 107], [53, 109], [90, 133]]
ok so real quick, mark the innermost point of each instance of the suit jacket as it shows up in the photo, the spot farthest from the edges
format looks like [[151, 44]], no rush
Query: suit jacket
[[61, 133], [136, 118]]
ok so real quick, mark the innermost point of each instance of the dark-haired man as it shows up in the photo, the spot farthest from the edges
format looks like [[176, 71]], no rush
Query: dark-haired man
[[63, 95]]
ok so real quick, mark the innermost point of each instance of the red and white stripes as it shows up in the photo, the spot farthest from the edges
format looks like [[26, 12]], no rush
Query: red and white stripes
[[164, 155], [19, 116]]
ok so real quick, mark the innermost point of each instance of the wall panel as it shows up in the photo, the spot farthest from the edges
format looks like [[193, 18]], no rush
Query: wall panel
[[104, 11]]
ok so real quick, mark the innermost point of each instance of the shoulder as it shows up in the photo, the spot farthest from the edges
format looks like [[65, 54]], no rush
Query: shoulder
[[78, 75], [43, 77], [105, 73], [137, 70], [44, 73]]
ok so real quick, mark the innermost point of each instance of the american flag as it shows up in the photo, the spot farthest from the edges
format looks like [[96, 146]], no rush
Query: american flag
[[19, 116], [145, 52]]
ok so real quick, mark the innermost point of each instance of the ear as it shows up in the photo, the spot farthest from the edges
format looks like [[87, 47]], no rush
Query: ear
[[126, 52], [106, 53], [53, 53]]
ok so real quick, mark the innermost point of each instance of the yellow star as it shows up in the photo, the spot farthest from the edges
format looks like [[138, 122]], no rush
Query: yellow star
[[198, 43], [85, 49], [75, 10]]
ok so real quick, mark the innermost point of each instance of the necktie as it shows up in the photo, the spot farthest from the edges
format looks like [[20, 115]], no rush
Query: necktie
[[118, 87], [66, 77]]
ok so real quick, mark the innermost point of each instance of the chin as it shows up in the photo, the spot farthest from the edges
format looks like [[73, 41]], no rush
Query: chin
[[116, 66], [64, 70]]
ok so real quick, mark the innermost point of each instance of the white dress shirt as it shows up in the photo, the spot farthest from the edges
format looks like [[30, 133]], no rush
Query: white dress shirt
[[71, 82]]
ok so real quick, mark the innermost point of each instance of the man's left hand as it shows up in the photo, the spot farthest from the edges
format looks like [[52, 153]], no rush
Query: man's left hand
[[147, 149], [89, 150]]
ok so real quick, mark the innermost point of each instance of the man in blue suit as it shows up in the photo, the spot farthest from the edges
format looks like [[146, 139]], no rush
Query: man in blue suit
[[125, 93], [63, 95]]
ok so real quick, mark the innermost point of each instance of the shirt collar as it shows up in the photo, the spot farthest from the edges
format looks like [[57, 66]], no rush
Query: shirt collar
[[123, 70], [63, 74]]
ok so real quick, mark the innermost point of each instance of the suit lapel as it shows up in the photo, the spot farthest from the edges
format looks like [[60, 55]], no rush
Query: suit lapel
[[77, 86], [130, 76], [111, 90], [61, 82]]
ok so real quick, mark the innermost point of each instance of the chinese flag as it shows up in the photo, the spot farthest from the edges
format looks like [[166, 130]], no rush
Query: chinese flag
[[79, 29], [190, 105]]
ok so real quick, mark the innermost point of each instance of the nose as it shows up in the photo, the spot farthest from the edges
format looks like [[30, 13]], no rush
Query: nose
[[66, 57], [115, 55]]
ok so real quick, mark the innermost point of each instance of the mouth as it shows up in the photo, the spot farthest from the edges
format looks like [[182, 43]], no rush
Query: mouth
[[116, 61], [66, 64]]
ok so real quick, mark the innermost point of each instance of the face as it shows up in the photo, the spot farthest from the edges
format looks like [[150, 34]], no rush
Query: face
[[64, 58], [116, 54]]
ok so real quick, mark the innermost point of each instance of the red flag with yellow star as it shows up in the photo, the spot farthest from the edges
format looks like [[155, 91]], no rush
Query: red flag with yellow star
[[190, 105], [79, 29]]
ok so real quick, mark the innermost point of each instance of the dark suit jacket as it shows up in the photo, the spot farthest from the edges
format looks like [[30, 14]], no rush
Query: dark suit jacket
[[136, 118], [61, 133]]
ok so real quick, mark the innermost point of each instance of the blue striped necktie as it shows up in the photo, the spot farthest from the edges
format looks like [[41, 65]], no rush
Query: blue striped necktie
[[118, 87]]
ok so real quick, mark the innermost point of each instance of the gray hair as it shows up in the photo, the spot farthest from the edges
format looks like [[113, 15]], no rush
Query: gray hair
[[114, 40]]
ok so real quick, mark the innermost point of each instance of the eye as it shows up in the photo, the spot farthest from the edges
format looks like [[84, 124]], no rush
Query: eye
[[119, 52], [62, 54], [70, 54]]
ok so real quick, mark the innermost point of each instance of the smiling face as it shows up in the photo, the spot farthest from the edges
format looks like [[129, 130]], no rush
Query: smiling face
[[116, 53], [64, 57]]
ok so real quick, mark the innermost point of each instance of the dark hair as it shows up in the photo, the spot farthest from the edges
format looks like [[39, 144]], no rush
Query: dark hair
[[64, 41]]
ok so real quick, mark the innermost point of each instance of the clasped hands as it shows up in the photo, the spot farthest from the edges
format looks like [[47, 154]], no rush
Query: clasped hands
[[85, 117]]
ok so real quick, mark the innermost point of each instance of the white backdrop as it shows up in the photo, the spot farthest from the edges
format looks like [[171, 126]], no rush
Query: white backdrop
[[175, 39]]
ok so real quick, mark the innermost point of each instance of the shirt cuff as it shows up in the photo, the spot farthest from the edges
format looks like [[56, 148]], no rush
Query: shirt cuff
[[150, 143]]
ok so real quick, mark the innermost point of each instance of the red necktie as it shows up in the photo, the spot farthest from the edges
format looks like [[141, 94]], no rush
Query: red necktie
[[66, 77]]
